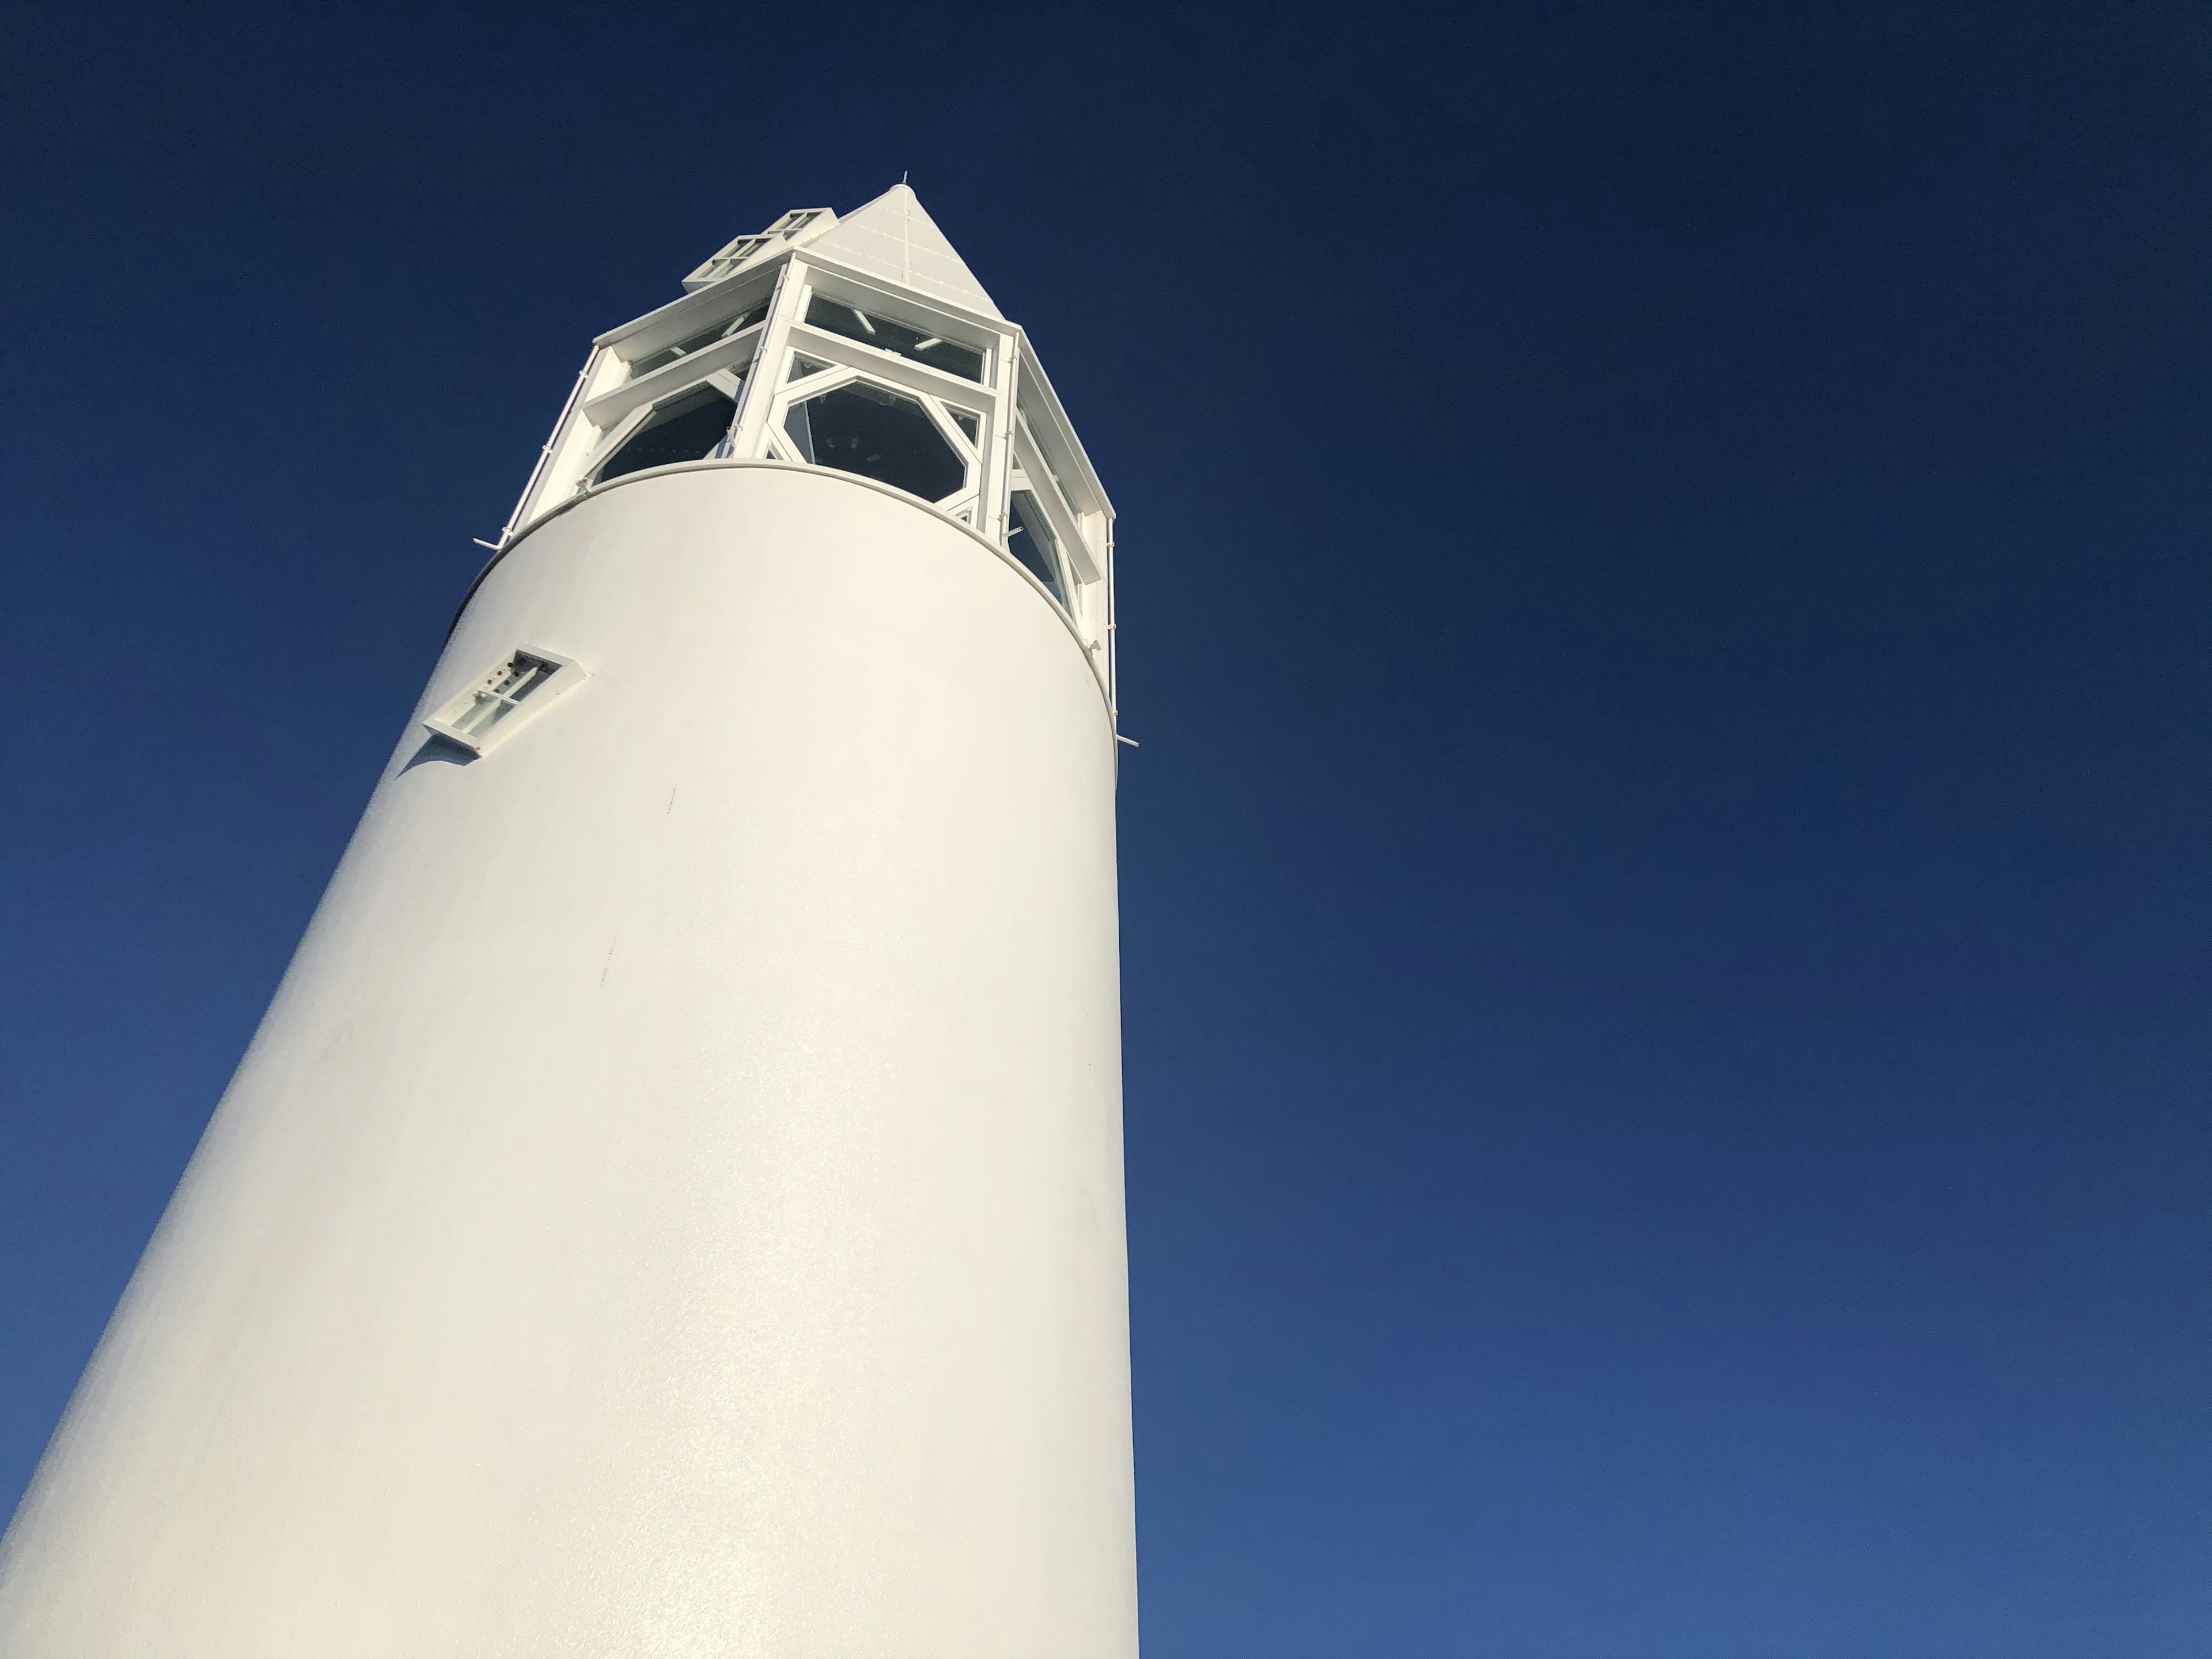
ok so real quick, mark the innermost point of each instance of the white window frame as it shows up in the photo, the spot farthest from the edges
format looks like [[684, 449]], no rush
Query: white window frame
[[565, 677], [742, 252], [897, 306], [695, 311], [731, 356], [1067, 523], [724, 380], [837, 375], [1071, 602], [754, 328]]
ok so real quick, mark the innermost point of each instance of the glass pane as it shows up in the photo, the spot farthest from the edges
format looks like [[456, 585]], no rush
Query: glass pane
[[1029, 539], [685, 428], [801, 368], [970, 424], [836, 317], [800, 430], [877, 434]]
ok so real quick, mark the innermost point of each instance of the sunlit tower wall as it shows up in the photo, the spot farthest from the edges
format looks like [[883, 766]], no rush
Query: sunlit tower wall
[[673, 1204]]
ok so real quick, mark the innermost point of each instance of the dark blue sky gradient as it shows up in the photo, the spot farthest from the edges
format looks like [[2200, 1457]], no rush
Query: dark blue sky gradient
[[1664, 595]]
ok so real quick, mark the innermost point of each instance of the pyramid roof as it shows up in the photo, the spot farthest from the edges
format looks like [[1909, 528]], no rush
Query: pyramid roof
[[894, 237]]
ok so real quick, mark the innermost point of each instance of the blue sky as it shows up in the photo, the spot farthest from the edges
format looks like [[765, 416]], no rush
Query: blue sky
[[1664, 596]]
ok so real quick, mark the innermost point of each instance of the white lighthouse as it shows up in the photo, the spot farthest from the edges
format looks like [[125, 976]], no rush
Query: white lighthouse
[[673, 1205]]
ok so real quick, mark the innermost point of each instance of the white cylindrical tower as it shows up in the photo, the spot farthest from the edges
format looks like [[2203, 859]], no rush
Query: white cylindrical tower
[[673, 1205]]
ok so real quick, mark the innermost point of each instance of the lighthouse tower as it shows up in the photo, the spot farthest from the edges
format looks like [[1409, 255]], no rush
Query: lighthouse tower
[[673, 1205]]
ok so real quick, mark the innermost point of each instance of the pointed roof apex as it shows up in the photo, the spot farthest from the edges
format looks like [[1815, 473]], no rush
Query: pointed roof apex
[[894, 238]]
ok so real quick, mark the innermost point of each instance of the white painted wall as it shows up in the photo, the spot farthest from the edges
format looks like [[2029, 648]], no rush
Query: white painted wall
[[673, 1205]]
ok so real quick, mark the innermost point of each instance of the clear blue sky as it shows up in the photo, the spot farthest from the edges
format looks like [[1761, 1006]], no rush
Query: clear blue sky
[[1667, 904]]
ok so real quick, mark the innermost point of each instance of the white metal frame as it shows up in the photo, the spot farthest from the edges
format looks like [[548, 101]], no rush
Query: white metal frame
[[960, 503], [1033, 473], [698, 310], [745, 250], [873, 299], [724, 380], [1023, 438], [653, 386]]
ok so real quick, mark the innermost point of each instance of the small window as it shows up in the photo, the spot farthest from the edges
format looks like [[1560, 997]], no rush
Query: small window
[[686, 428], [503, 700], [731, 256], [871, 430], [801, 368], [836, 317], [970, 424], [1030, 538]]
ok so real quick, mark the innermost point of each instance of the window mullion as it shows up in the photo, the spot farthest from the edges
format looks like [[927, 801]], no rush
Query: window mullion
[[760, 389]]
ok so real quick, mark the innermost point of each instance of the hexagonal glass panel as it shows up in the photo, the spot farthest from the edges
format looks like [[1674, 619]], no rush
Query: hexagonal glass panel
[[686, 428], [878, 434]]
